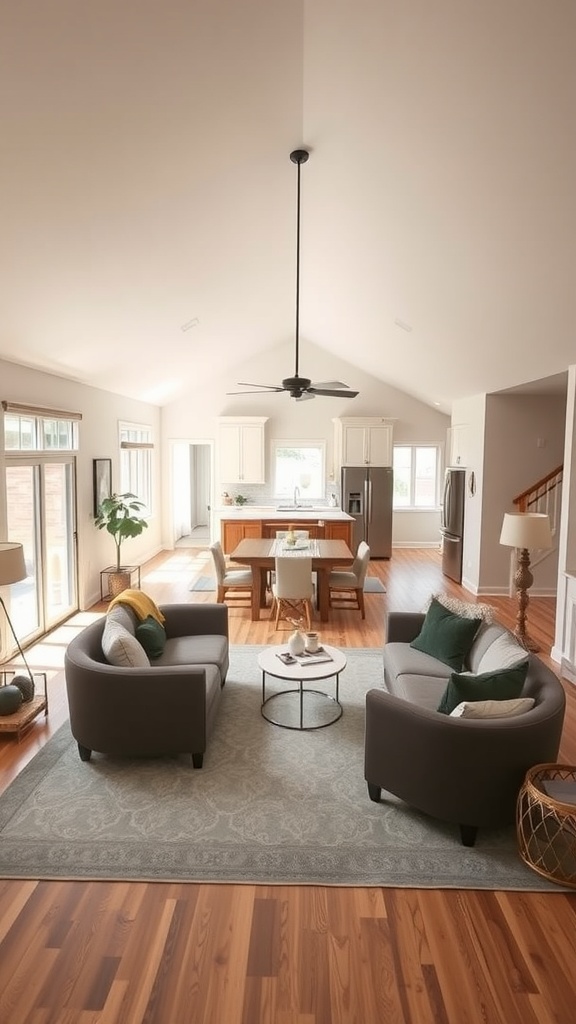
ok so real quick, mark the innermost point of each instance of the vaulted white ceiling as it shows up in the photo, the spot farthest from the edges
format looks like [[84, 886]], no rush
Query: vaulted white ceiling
[[147, 236]]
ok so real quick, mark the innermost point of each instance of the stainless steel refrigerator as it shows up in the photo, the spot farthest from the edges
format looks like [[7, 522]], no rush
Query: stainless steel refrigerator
[[367, 496], [452, 522]]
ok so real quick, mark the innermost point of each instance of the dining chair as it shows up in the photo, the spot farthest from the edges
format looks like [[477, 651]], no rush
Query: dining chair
[[346, 586], [281, 535], [292, 589], [234, 585]]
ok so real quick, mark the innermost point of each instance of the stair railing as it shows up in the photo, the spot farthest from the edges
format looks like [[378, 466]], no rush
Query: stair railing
[[545, 497]]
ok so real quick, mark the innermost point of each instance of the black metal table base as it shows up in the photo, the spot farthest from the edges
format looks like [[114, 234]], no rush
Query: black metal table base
[[302, 705]]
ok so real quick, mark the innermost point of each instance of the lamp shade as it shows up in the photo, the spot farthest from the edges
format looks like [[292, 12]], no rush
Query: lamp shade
[[526, 530], [12, 564]]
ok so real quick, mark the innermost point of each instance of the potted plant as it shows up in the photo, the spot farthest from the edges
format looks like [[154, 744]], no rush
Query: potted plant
[[121, 516]]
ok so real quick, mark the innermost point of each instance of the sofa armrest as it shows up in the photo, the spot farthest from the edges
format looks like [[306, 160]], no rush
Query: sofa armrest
[[402, 627], [195, 619], [467, 771]]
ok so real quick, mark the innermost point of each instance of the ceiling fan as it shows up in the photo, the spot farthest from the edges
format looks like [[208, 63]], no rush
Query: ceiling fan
[[300, 388]]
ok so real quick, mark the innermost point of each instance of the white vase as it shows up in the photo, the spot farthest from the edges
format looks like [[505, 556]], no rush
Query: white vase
[[296, 643]]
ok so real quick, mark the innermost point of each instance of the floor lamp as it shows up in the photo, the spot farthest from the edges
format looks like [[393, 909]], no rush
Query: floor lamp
[[526, 531], [13, 570]]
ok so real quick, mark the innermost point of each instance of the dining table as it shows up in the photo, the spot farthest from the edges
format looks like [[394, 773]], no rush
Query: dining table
[[260, 554]]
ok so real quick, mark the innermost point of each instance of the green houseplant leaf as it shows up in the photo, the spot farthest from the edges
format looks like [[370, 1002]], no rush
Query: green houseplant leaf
[[121, 516]]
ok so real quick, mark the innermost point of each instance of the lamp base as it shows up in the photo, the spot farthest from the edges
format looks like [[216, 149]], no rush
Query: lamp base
[[526, 642]]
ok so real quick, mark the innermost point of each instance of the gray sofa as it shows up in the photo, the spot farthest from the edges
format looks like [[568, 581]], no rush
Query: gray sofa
[[461, 770], [165, 707]]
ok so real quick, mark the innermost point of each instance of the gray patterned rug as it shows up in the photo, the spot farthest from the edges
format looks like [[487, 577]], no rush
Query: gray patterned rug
[[269, 805]]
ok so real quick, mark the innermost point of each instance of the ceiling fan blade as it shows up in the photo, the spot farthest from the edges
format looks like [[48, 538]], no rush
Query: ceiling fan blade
[[333, 392], [264, 387], [328, 384], [305, 397]]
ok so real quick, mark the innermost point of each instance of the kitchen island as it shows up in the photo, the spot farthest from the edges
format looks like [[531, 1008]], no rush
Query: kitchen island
[[260, 521]]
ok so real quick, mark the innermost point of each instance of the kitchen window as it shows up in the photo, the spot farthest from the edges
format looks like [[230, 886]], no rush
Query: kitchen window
[[299, 464], [416, 476]]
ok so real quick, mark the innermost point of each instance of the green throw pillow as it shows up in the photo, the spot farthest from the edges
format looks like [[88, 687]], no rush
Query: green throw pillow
[[446, 636], [152, 635], [504, 685]]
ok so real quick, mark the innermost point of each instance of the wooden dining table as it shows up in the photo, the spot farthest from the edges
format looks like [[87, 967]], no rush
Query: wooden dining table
[[261, 554]]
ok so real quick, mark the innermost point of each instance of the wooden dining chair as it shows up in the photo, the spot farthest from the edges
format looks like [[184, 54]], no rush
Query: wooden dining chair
[[346, 586], [234, 585], [292, 589]]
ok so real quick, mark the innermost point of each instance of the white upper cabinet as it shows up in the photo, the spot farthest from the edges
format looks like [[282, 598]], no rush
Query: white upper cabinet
[[242, 449], [363, 441], [458, 444]]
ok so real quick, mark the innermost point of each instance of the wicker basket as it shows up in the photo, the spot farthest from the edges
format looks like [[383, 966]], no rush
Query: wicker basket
[[546, 826]]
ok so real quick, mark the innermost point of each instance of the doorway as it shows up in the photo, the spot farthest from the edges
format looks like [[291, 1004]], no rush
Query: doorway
[[192, 476]]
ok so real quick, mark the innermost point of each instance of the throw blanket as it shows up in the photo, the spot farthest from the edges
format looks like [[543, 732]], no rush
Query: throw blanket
[[140, 603]]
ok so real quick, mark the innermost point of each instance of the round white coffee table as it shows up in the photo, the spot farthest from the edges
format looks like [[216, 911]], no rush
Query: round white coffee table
[[301, 706]]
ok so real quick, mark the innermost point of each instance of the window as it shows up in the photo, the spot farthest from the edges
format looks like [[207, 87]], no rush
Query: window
[[36, 430], [416, 476], [136, 462], [299, 464]]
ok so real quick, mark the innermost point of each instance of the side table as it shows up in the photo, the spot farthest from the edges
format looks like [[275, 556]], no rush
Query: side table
[[546, 822], [22, 719]]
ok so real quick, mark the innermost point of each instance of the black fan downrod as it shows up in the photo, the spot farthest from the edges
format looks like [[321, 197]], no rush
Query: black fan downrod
[[299, 157], [299, 387]]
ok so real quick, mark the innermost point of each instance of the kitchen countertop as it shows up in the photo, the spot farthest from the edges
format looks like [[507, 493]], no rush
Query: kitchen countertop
[[271, 512]]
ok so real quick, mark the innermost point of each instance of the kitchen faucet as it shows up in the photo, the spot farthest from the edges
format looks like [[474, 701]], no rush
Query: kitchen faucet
[[296, 496]]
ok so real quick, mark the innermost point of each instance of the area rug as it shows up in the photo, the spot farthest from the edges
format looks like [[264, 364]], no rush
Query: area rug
[[372, 585], [204, 583], [270, 805]]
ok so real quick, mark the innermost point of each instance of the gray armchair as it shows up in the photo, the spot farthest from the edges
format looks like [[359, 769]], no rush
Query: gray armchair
[[465, 771], [167, 708]]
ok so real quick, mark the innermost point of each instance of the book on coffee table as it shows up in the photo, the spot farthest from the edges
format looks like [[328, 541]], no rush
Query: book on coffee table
[[313, 657]]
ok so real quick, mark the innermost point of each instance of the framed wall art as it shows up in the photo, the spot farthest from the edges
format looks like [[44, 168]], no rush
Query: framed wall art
[[102, 469]]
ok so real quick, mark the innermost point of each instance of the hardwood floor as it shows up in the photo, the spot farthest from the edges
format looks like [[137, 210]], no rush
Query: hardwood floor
[[125, 953]]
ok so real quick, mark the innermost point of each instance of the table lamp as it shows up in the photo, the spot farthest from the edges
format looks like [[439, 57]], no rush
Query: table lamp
[[527, 531], [12, 570]]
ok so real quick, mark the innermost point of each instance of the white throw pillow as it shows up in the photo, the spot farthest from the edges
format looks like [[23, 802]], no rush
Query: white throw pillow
[[493, 708], [122, 649], [465, 609], [505, 652]]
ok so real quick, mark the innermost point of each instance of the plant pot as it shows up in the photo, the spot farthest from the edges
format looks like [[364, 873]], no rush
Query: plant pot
[[117, 582]]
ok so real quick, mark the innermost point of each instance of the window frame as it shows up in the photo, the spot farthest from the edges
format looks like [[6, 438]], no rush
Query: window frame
[[413, 446], [136, 445], [320, 445]]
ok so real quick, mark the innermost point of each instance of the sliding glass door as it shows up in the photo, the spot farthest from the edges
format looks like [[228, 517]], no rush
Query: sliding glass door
[[41, 515]]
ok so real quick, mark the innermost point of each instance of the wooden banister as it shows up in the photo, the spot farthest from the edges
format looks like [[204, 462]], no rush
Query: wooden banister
[[547, 483]]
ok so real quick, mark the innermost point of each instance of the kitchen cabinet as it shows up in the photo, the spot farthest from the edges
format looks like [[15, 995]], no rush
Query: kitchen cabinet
[[339, 531], [458, 444], [232, 531], [363, 441], [242, 450], [315, 527]]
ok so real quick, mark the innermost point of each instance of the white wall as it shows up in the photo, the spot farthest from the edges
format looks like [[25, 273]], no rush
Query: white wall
[[524, 440], [197, 416], [503, 450], [101, 411]]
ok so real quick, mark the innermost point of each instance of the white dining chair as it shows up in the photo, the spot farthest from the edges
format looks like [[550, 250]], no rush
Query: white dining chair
[[292, 589]]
